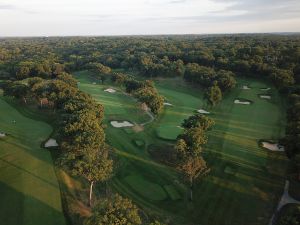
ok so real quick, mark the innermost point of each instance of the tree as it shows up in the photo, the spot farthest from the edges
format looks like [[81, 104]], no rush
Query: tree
[[192, 167], [282, 78], [67, 78], [198, 120], [214, 94], [297, 163], [226, 80], [115, 211], [17, 90], [291, 215], [190, 143], [94, 166]]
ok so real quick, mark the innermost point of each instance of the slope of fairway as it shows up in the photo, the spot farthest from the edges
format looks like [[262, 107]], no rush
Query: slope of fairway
[[117, 106], [245, 180], [249, 192], [29, 190]]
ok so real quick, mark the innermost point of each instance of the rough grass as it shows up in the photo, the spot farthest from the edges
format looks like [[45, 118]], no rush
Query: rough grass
[[29, 189]]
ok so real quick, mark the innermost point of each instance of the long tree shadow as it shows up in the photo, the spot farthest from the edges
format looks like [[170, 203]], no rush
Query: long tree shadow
[[28, 172], [17, 208]]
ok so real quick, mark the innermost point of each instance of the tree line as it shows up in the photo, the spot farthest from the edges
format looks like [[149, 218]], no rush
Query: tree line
[[84, 152]]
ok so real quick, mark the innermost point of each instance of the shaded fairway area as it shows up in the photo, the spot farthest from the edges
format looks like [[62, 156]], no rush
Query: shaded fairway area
[[29, 189], [245, 182]]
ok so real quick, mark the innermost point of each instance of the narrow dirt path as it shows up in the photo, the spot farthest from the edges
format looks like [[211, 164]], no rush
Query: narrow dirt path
[[285, 199], [151, 118]]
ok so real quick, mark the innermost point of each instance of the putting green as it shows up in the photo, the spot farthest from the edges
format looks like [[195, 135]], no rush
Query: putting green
[[168, 132], [29, 189]]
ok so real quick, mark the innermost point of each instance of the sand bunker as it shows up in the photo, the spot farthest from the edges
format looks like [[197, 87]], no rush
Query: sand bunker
[[245, 87], [110, 90], [202, 111], [94, 83], [237, 101], [265, 89], [167, 103], [272, 147], [265, 96], [2, 135], [121, 124], [51, 143]]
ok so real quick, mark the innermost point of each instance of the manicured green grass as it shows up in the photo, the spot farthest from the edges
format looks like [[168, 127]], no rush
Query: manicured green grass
[[248, 194], [149, 190], [117, 105], [172, 192], [168, 132], [29, 189]]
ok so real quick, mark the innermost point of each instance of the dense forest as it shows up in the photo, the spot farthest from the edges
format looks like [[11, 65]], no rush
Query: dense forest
[[209, 62]]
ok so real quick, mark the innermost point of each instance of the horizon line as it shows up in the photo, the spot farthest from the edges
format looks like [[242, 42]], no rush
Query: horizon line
[[171, 34]]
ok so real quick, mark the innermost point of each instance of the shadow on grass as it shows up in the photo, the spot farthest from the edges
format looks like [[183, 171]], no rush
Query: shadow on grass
[[17, 208]]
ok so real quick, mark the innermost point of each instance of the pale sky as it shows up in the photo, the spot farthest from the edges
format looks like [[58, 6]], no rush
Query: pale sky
[[125, 17]]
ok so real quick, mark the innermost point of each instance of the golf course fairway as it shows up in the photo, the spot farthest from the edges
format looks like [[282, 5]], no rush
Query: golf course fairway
[[29, 189], [245, 182]]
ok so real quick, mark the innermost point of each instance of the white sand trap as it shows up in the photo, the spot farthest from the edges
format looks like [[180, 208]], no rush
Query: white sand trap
[[265, 89], [121, 124], [265, 96], [2, 135], [202, 111], [94, 82], [273, 147], [167, 103], [110, 90], [245, 87], [242, 102], [51, 143]]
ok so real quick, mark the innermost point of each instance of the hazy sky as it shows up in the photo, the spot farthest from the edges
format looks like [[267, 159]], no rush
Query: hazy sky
[[121, 17]]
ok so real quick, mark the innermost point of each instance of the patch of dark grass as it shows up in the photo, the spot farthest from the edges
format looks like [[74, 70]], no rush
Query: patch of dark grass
[[163, 153], [139, 143]]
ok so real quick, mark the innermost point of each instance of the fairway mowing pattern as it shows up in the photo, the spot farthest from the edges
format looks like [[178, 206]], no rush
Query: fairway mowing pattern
[[248, 194], [245, 193], [29, 189]]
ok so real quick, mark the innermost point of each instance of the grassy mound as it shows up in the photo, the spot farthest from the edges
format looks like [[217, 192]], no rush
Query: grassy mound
[[168, 132], [147, 189], [139, 143]]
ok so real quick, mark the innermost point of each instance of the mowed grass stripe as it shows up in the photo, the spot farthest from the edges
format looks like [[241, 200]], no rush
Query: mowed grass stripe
[[28, 185], [249, 194]]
